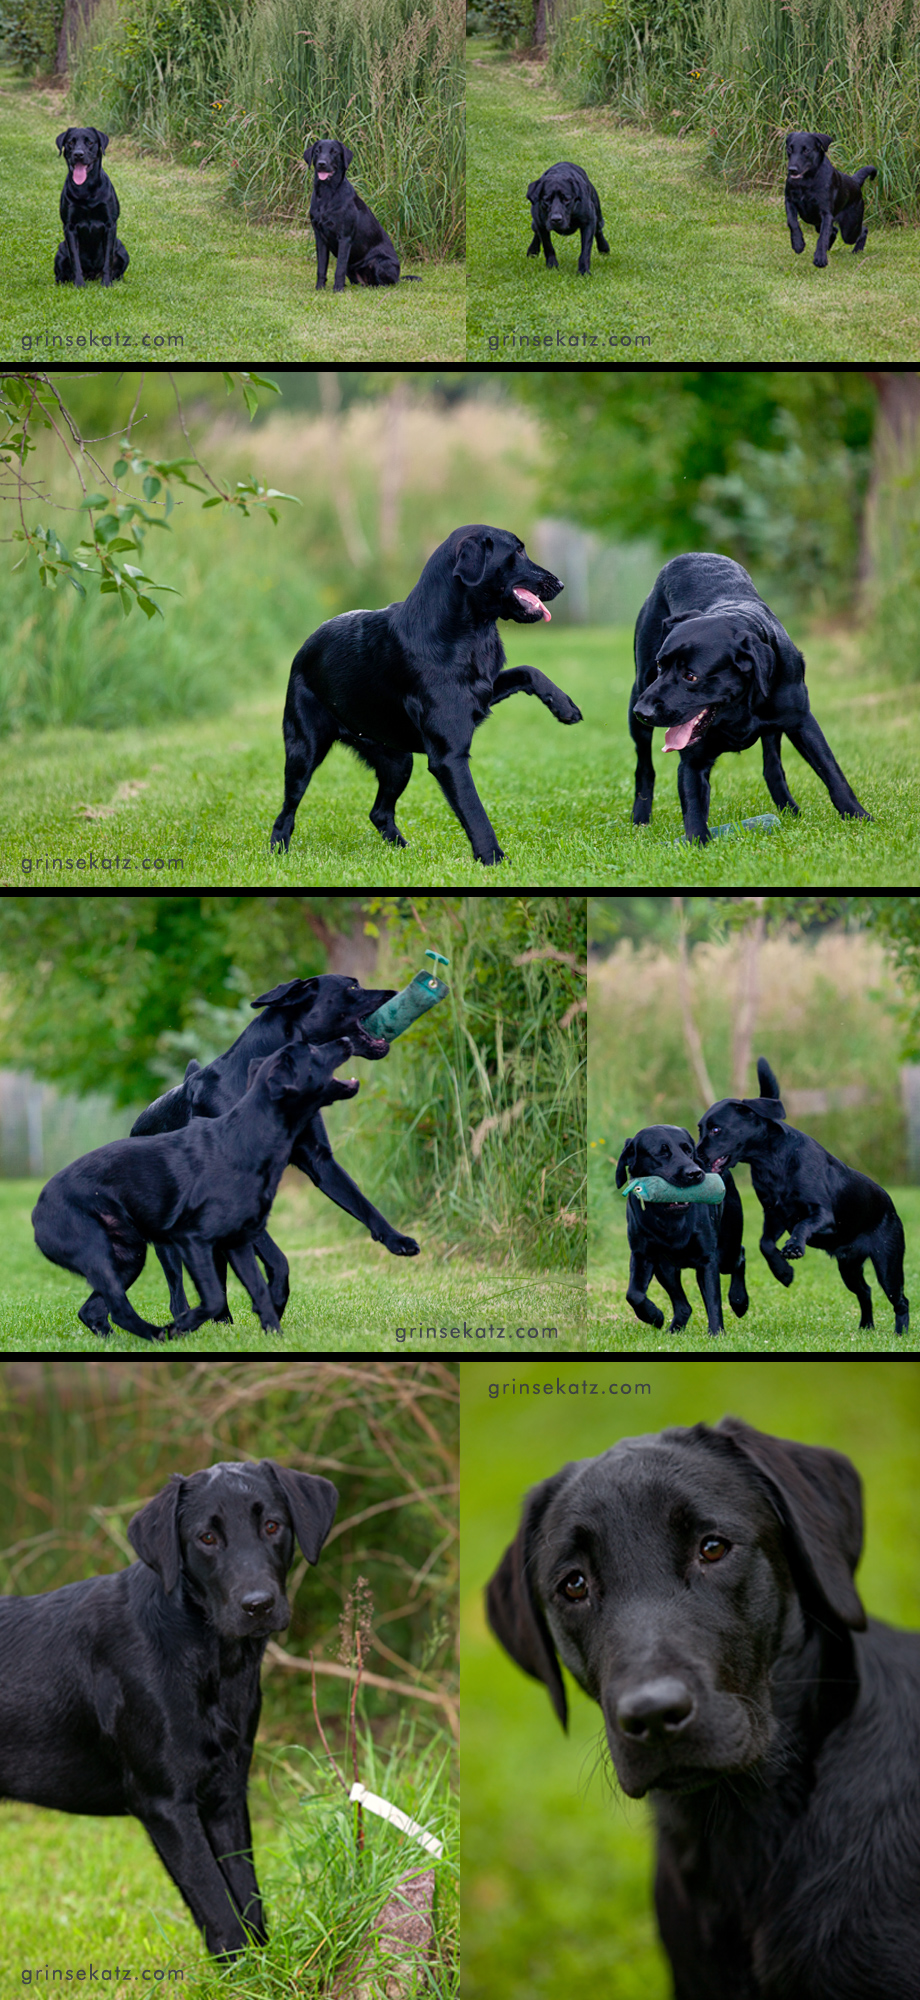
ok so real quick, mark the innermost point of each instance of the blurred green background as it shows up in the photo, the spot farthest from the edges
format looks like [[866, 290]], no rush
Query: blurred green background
[[557, 1867]]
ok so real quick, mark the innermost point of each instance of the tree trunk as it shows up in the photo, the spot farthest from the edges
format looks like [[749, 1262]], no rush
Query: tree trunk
[[894, 447], [76, 14]]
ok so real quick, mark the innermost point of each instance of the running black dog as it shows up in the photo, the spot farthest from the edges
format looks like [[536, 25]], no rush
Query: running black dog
[[89, 212], [312, 1010], [420, 675], [802, 1188], [139, 1692], [345, 226], [563, 199], [665, 1237], [818, 193], [699, 1586], [717, 670], [205, 1191]]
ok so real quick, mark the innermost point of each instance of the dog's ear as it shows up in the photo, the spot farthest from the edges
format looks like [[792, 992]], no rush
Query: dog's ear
[[534, 189], [818, 1496], [102, 137], [765, 1107], [753, 652], [62, 138], [626, 1162], [282, 1077], [308, 153], [192, 1068], [312, 1503], [294, 993], [154, 1533], [347, 156], [823, 140], [512, 1609], [472, 558]]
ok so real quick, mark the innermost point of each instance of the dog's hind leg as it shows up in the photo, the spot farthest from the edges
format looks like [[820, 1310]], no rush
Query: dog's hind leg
[[888, 1261], [851, 1271], [774, 775], [309, 733], [393, 770]]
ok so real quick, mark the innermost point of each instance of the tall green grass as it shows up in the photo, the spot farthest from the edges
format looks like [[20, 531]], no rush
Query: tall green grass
[[246, 87], [741, 73]]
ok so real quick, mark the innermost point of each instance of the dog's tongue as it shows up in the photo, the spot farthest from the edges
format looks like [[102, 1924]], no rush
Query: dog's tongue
[[79, 175], [678, 736], [322, 176], [532, 602]]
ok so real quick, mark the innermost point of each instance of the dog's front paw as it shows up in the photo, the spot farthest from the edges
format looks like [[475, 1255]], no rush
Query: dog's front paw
[[400, 1246], [792, 1250], [798, 242], [552, 263], [489, 860], [820, 259], [565, 710]]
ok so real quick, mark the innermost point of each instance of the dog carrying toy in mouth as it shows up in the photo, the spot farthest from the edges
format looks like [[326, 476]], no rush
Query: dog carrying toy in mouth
[[651, 1187]]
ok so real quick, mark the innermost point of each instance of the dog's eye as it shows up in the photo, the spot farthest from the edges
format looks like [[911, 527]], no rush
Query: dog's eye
[[688, 676], [273, 1527], [575, 1586], [208, 1538], [713, 1548]]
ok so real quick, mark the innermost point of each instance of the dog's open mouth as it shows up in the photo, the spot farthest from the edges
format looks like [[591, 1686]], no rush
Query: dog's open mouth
[[530, 601], [79, 175], [718, 1164], [364, 1044], [681, 734], [323, 174]]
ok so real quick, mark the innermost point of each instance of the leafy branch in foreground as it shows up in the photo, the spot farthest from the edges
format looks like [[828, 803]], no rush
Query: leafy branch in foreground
[[116, 523]]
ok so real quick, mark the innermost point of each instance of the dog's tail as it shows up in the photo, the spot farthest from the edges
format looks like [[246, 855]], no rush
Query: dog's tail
[[602, 243], [409, 277], [865, 174]]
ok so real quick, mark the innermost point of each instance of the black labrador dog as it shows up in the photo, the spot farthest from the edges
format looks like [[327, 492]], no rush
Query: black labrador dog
[[421, 675], [345, 226], [822, 195], [802, 1188], [699, 1586], [715, 667], [139, 1693], [315, 1010], [665, 1237], [205, 1191], [89, 212], [564, 199]]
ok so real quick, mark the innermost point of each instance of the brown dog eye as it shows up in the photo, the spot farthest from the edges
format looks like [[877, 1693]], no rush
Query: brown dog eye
[[207, 1538], [575, 1587], [272, 1527], [713, 1548]]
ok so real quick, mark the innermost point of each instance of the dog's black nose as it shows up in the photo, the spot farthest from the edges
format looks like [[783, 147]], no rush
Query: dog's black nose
[[657, 1708], [257, 1603]]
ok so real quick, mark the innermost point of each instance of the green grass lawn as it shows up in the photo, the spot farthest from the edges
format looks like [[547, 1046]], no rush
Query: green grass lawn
[[346, 1292], [202, 284], [559, 798], [557, 1864], [815, 1314], [696, 270]]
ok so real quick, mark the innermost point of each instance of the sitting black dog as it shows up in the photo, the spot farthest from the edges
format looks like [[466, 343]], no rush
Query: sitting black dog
[[717, 670], [344, 225], [818, 192], [804, 1189], [89, 212], [206, 1191], [421, 675], [316, 1010], [665, 1236], [564, 199]]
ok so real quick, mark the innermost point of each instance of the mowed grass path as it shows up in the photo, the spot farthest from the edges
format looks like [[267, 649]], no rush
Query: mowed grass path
[[696, 272], [815, 1314], [202, 284], [346, 1292], [559, 797]]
